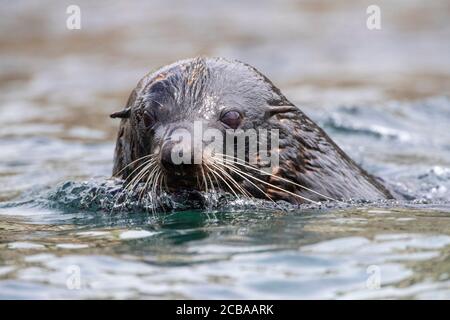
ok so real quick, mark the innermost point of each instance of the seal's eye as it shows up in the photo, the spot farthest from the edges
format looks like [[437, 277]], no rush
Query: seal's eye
[[232, 119], [149, 119]]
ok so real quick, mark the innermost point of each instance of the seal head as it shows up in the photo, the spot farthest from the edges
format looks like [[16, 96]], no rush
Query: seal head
[[168, 106]]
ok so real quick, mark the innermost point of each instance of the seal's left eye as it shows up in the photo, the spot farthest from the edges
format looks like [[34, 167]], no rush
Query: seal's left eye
[[149, 119], [232, 119]]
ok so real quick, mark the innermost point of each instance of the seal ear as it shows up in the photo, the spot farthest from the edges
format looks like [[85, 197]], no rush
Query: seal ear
[[123, 114], [273, 110]]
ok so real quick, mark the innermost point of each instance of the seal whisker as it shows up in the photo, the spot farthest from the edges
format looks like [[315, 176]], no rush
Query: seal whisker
[[149, 190], [154, 188], [136, 179], [150, 174], [211, 182], [150, 179], [137, 168], [134, 182], [161, 184], [215, 179], [140, 167], [230, 178], [205, 182], [245, 164], [274, 186], [147, 156], [221, 178], [256, 186], [209, 177]]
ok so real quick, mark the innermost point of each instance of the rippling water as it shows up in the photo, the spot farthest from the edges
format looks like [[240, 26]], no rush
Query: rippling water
[[383, 97]]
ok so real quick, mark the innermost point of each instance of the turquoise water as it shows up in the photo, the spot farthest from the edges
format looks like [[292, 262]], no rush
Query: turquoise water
[[383, 97]]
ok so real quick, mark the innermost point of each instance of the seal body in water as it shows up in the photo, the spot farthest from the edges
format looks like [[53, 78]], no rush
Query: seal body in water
[[224, 95]]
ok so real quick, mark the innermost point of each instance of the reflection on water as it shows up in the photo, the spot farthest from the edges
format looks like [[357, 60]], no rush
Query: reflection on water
[[231, 255], [382, 95]]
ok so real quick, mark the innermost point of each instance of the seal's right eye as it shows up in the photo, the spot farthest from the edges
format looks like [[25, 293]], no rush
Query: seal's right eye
[[149, 119], [232, 119]]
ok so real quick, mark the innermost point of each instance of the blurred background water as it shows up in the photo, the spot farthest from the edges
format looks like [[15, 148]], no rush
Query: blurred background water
[[383, 95]]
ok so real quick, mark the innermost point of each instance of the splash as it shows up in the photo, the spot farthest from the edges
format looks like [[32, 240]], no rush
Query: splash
[[110, 197]]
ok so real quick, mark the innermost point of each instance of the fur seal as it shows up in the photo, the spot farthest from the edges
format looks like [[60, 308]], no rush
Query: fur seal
[[224, 94]]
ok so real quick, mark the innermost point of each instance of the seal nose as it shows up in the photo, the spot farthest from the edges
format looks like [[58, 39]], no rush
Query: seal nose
[[178, 159]]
